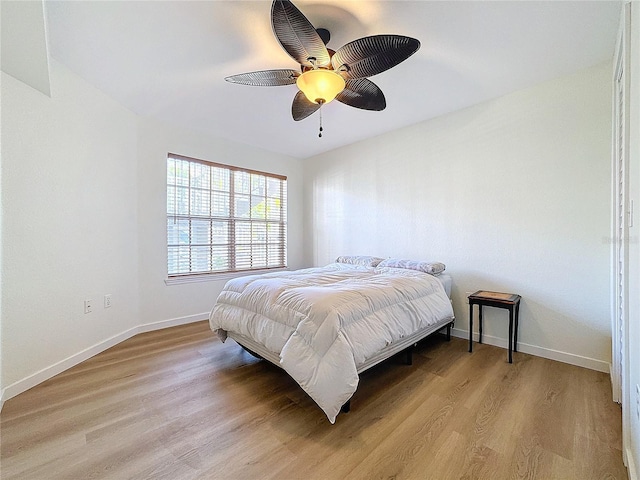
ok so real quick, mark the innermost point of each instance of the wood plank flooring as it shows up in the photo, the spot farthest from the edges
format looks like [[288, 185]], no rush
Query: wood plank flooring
[[179, 404]]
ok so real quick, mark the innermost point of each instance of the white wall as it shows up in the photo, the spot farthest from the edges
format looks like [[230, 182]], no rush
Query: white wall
[[69, 222], [84, 195], [513, 195], [159, 302], [633, 332]]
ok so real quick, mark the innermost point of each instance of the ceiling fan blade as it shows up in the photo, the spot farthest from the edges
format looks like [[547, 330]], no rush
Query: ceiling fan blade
[[296, 34], [372, 55], [302, 107], [265, 78], [362, 93]]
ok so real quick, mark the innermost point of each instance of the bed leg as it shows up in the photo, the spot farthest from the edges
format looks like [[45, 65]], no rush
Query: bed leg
[[449, 332], [409, 356], [346, 407]]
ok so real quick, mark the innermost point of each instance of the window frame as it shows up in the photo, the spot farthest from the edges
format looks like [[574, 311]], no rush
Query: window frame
[[231, 219]]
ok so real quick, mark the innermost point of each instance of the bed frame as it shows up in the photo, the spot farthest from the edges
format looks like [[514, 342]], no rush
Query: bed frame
[[405, 344]]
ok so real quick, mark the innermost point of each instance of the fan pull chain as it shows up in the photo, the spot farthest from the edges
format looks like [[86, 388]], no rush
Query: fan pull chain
[[320, 109]]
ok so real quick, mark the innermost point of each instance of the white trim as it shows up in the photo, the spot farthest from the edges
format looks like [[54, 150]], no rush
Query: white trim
[[564, 357], [620, 333], [619, 224], [172, 322], [59, 367], [48, 372], [212, 277], [631, 466]]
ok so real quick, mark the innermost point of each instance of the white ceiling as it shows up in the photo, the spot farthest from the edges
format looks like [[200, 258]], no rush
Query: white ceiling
[[168, 60]]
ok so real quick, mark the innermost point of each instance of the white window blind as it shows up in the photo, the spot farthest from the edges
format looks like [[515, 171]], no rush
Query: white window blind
[[223, 219]]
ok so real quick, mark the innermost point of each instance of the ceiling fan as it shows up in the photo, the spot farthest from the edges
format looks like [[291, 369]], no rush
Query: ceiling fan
[[326, 74]]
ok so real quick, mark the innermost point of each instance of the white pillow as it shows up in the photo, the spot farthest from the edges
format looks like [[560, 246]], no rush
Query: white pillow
[[433, 268]]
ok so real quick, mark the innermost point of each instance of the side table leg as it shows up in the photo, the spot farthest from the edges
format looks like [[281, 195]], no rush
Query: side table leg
[[510, 333], [480, 323], [470, 327], [515, 333]]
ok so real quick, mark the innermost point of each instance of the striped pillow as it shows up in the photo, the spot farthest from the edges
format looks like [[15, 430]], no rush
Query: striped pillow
[[433, 268], [362, 260]]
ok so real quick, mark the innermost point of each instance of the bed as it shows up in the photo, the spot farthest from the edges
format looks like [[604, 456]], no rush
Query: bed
[[325, 325]]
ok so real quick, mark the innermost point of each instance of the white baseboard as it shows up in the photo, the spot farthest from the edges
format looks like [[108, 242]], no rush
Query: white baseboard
[[172, 322], [616, 388], [570, 358], [46, 373], [631, 464]]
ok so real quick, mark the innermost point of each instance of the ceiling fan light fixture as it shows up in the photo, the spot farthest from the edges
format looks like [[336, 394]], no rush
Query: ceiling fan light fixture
[[320, 86], [328, 74]]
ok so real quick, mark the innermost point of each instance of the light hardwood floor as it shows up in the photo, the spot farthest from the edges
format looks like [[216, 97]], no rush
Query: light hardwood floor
[[178, 404]]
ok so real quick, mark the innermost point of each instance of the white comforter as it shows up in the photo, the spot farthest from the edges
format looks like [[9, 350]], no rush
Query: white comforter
[[325, 321]]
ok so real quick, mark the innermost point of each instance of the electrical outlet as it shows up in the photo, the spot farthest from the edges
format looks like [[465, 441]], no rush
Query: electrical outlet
[[88, 306], [107, 300]]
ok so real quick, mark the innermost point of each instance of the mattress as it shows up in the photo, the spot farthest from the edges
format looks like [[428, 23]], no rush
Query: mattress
[[446, 283]]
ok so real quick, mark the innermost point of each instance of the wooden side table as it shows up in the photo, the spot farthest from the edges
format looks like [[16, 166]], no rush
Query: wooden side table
[[510, 301]]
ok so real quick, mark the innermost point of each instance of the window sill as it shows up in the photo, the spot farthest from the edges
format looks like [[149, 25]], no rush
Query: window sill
[[216, 277]]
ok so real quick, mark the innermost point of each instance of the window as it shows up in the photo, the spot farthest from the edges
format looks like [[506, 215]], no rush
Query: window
[[223, 219]]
